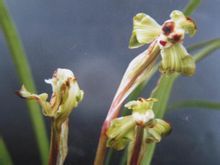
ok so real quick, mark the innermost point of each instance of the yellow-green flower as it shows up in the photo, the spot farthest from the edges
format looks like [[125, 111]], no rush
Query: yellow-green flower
[[66, 95], [122, 130], [169, 37]]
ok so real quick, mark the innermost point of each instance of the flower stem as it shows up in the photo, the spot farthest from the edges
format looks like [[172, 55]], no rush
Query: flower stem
[[137, 147], [151, 56], [109, 156], [101, 149], [58, 143], [25, 76], [54, 144]]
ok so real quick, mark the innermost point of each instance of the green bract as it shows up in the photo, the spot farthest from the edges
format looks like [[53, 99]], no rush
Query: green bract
[[66, 95], [169, 37], [123, 130]]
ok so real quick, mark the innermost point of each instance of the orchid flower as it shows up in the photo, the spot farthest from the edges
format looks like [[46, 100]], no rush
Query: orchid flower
[[122, 130], [66, 96], [169, 37]]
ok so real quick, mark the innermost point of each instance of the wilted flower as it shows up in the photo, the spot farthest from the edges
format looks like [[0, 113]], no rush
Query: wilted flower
[[66, 95], [169, 37], [123, 130]]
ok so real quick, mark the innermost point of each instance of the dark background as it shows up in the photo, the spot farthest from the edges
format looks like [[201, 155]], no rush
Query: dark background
[[90, 37]]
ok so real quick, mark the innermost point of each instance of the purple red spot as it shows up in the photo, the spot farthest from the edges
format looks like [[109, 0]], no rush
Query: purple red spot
[[176, 37], [168, 27], [163, 43]]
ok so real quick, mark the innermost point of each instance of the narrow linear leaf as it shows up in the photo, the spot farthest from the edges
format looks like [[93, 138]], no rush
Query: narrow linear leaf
[[25, 76], [109, 156], [202, 44], [195, 104], [124, 157], [206, 50], [5, 158], [162, 93], [191, 7]]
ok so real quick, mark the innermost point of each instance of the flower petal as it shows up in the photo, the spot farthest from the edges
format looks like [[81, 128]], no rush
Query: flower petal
[[41, 99], [120, 132], [160, 129], [58, 81], [71, 96], [186, 23], [145, 30], [177, 59], [141, 105]]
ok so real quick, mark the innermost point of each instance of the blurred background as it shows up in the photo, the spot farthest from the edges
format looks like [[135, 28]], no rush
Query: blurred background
[[91, 38]]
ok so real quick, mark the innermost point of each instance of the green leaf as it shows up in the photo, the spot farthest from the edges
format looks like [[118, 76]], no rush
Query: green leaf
[[207, 49], [5, 158], [162, 93], [191, 7], [25, 76], [203, 104], [200, 45]]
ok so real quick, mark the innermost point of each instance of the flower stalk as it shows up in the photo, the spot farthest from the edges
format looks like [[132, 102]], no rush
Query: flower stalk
[[137, 147], [58, 143]]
